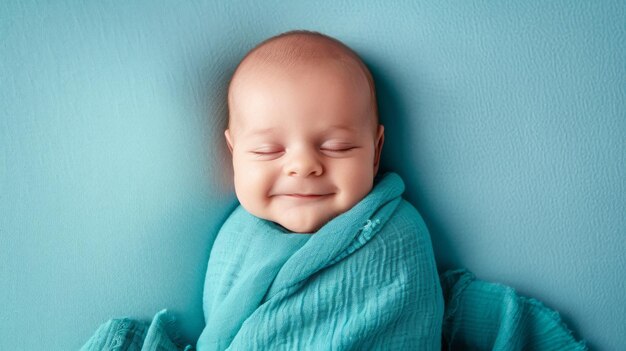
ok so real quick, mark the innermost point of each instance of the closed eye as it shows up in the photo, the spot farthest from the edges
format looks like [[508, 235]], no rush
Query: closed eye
[[338, 149], [264, 152], [268, 149]]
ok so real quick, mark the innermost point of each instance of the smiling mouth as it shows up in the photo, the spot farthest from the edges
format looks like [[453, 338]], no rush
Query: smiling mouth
[[306, 196]]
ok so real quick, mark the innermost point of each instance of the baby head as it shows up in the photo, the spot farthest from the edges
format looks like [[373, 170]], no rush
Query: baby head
[[303, 130]]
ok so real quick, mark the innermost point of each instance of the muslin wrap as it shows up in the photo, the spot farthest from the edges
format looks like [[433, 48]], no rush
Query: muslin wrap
[[366, 280]]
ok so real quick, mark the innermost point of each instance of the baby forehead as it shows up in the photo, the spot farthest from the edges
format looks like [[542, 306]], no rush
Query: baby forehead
[[317, 97], [312, 87], [307, 84]]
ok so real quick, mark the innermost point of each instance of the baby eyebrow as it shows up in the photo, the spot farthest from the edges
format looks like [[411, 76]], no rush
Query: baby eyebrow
[[263, 131], [341, 127]]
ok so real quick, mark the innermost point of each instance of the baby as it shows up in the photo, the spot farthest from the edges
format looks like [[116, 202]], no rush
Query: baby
[[303, 130], [306, 143]]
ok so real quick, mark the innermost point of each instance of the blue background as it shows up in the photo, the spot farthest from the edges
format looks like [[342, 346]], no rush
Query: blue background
[[507, 120]]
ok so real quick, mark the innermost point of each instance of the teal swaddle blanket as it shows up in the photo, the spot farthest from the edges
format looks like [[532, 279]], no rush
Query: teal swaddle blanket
[[367, 280]]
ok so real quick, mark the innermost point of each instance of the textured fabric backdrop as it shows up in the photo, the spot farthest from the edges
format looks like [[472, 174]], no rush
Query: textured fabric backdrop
[[506, 119]]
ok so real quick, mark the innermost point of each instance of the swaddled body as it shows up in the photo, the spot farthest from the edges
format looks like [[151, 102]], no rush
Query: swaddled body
[[366, 280], [306, 144]]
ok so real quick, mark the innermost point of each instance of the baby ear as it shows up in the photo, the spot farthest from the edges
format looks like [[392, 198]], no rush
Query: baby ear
[[380, 140], [229, 141]]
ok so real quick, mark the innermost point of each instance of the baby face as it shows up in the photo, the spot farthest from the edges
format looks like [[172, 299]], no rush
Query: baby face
[[304, 142]]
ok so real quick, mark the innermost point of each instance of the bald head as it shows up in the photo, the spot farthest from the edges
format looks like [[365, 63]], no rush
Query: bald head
[[296, 48]]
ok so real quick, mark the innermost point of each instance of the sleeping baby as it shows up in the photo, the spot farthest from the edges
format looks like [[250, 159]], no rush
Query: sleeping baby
[[322, 254]]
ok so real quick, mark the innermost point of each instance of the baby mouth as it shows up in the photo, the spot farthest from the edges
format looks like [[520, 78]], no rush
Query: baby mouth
[[306, 196]]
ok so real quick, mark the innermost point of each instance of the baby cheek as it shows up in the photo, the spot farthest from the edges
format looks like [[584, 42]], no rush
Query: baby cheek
[[357, 180], [259, 179], [244, 176]]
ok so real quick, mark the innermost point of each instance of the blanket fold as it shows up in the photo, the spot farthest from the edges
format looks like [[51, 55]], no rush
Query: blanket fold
[[128, 334], [481, 315]]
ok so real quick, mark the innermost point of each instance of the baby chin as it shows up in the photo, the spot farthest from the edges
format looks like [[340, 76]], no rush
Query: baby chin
[[304, 219]]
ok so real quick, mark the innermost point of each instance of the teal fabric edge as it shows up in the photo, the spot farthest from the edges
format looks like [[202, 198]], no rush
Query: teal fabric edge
[[455, 283], [579, 345], [130, 334]]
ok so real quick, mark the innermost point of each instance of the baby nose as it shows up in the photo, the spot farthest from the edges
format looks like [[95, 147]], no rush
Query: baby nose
[[303, 164]]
